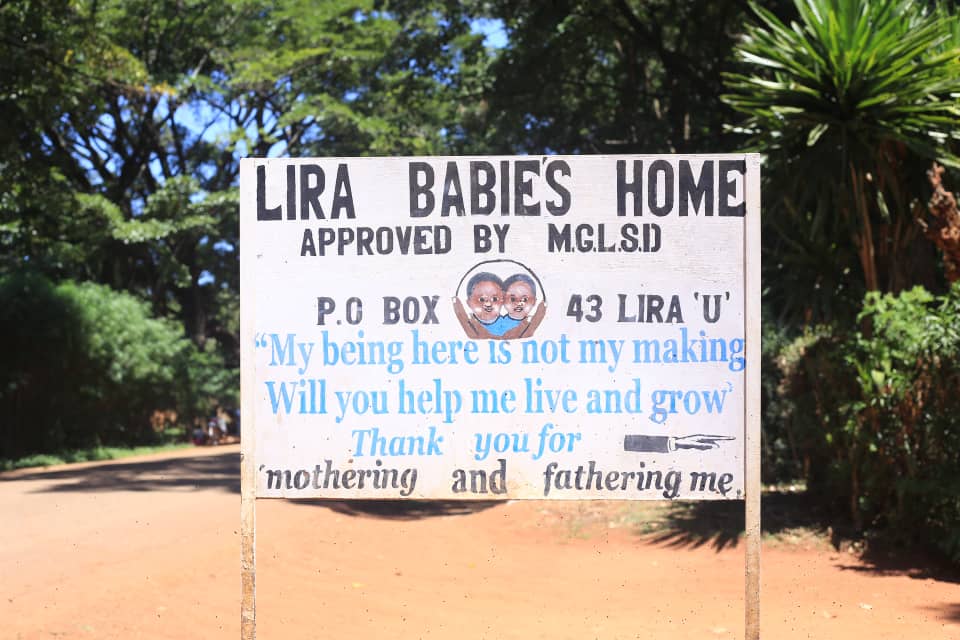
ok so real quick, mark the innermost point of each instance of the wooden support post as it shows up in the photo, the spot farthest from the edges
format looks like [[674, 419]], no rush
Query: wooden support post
[[752, 484], [248, 479], [248, 541]]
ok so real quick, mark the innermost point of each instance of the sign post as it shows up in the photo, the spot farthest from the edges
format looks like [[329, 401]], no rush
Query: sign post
[[557, 327], [752, 530]]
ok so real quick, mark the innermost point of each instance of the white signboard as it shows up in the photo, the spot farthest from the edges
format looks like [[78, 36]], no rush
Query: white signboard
[[561, 327]]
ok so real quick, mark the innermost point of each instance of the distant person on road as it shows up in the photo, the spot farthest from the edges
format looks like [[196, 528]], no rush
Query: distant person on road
[[213, 431]]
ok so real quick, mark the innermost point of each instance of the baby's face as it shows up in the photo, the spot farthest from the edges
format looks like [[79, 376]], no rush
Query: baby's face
[[519, 300], [485, 301]]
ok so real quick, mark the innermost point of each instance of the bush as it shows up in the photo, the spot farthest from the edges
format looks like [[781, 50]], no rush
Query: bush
[[86, 366], [875, 411], [782, 458]]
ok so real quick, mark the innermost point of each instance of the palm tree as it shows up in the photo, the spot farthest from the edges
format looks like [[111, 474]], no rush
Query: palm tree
[[849, 103]]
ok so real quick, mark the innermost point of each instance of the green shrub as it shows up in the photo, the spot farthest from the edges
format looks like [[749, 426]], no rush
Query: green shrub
[[786, 403], [875, 411], [86, 366]]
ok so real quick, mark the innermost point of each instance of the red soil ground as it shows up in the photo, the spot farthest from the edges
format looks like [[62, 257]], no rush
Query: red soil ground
[[149, 548]]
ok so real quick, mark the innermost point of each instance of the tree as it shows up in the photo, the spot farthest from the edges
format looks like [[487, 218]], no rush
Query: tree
[[349, 78], [85, 365], [122, 140], [615, 76], [125, 152], [96, 137], [850, 104]]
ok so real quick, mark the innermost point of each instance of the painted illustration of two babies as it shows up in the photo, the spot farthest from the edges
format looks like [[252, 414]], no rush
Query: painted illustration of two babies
[[500, 309]]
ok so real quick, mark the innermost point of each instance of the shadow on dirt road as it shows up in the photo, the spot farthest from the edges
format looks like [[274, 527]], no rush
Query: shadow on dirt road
[[218, 471], [182, 473], [404, 509], [720, 524]]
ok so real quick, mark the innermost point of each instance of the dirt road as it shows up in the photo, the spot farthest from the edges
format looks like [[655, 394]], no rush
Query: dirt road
[[150, 549]]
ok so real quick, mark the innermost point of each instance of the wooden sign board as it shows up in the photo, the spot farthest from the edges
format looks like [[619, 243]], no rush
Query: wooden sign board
[[556, 327], [502, 327]]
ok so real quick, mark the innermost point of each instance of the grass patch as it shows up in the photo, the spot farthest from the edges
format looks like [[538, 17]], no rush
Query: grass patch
[[91, 454]]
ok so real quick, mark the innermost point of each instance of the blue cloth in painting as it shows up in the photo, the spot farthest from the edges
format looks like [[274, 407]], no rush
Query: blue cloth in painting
[[501, 325]]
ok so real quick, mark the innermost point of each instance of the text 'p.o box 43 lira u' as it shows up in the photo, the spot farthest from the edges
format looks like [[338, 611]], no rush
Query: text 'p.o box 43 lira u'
[[570, 327]]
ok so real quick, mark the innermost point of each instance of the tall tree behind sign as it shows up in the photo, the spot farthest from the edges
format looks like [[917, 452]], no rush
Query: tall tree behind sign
[[611, 77], [122, 146]]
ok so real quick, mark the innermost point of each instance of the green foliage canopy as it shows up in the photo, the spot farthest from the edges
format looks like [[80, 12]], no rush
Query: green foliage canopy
[[609, 76], [85, 365]]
